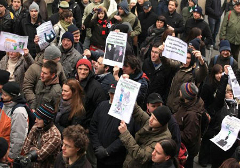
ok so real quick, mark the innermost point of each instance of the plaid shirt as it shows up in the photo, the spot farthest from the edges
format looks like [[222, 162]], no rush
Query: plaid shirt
[[47, 140]]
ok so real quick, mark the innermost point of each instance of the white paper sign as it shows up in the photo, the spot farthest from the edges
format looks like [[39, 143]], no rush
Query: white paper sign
[[46, 34], [12, 42], [232, 80], [175, 49], [124, 99], [228, 134], [115, 49]]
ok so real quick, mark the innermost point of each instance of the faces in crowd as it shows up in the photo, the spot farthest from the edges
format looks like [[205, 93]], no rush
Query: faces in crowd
[[155, 55], [66, 43], [39, 123], [158, 155], [13, 55], [171, 6], [101, 15], [34, 14], [2, 10], [225, 53], [68, 149], [66, 92], [188, 60], [6, 97], [99, 66], [16, 4], [190, 3], [159, 24], [83, 72], [153, 122], [196, 15], [120, 11], [46, 76], [127, 69]]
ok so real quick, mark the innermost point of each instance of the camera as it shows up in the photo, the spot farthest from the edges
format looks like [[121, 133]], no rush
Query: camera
[[25, 161]]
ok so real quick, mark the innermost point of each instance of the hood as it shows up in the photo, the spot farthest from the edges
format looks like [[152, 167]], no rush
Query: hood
[[124, 6], [19, 99]]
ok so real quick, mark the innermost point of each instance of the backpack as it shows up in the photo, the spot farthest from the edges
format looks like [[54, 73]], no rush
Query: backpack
[[216, 57], [31, 116], [182, 155]]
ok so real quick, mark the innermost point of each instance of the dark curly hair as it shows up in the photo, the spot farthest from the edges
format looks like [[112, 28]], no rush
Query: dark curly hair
[[78, 135], [133, 62]]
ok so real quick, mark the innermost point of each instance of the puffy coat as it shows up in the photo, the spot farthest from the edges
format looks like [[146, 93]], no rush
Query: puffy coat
[[7, 22]]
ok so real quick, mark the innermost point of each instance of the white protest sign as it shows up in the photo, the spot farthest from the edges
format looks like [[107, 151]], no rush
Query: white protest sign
[[228, 134], [232, 80], [115, 49], [175, 49], [46, 34], [124, 99], [12, 42]]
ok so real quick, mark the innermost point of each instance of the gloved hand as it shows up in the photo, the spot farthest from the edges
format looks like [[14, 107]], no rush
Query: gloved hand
[[101, 152]]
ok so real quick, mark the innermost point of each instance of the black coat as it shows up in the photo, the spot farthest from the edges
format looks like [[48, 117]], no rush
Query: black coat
[[94, 95], [137, 9], [77, 14], [175, 20], [146, 20], [213, 9], [201, 24], [7, 22]]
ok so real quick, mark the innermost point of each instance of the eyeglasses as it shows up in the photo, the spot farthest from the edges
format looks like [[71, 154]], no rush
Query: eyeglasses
[[155, 52]]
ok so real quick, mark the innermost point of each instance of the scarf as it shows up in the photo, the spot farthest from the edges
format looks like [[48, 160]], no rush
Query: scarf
[[65, 24], [17, 13], [104, 24], [64, 107], [191, 9]]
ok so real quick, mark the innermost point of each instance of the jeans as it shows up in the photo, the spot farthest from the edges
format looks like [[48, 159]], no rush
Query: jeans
[[214, 25]]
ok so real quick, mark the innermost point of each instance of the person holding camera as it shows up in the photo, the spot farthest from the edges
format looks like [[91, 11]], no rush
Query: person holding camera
[[44, 138]]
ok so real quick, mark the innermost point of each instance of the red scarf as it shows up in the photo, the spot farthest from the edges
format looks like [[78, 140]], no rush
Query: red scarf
[[104, 25]]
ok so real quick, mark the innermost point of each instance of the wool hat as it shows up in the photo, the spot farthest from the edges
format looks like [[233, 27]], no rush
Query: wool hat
[[45, 112], [189, 90], [4, 3], [224, 45], [84, 62], [3, 147], [154, 98], [198, 9], [72, 28], [12, 89], [64, 5], [195, 2], [34, 5], [195, 43], [147, 5], [162, 114], [113, 86], [52, 52], [4, 77], [69, 36]]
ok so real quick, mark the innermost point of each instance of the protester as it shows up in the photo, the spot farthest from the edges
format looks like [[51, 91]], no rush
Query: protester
[[42, 7], [187, 12], [76, 36], [63, 6]]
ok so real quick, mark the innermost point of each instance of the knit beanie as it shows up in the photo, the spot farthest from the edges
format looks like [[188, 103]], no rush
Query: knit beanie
[[52, 52], [12, 89], [69, 36], [4, 77], [4, 3], [124, 6], [3, 147], [162, 114], [34, 5], [45, 112], [198, 9], [224, 45], [189, 90], [84, 62], [72, 28], [195, 2], [195, 43]]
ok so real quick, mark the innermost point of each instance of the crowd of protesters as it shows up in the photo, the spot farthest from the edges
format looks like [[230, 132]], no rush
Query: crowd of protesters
[[54, 102]]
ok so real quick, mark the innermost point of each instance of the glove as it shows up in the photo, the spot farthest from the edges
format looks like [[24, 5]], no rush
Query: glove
[[101, 152]]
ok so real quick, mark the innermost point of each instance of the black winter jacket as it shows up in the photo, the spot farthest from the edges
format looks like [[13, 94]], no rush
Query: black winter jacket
[[213, 9], [7, 22], [77, 13]]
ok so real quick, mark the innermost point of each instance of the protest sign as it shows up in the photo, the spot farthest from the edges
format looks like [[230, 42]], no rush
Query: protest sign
[[46, 34], [12, 42], [228, 134], [175, 49], [115, 49], [232, 80], [124, 99]]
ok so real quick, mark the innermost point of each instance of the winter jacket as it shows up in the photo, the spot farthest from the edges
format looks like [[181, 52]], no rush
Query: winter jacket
[[42, 8], [175, 20], [99, 30], [94, 95], [69, 60], [47, 140], [186, 14], [79, 47], [47, 93], [146, 20], [196, 75], [230, 28], [62, 162], [29, 29], [213, 9], [14, 127], [137, 9], [140, 149], [22, 65], [201, 24], [77, 14], [32, 75], [7, 22], [188, 117], [223, 61], [105, 80], [104, 132]]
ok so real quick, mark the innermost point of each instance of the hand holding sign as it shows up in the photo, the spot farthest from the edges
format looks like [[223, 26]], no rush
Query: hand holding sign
[[122, 127]]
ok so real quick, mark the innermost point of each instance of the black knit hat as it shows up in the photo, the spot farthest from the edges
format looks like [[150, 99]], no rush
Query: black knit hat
[[12, 89], [72, 28], [162, 114], [154, 98], [4, 77], [3, 147], [195, 43], [45, 112], [69, 36], [4, 3]]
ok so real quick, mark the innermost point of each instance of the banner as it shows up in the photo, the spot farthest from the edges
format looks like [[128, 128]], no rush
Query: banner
[[124, 99], [12, 42], [232, 80], [115, 49], [175, 49]]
